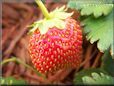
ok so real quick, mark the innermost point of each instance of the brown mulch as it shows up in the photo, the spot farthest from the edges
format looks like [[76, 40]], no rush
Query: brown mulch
[[15, 19]]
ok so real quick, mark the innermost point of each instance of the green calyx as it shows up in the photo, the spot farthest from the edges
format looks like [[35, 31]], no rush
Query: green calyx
[[53, 19]]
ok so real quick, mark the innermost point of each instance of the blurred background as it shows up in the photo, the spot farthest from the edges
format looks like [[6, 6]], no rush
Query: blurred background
[[16, 16]]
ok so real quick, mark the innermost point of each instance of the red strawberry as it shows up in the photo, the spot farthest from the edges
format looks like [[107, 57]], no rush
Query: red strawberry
[[57, 48]]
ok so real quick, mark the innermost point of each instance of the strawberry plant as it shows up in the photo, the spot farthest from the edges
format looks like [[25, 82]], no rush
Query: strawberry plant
[[12, 81], [72, 43], [56, 42]]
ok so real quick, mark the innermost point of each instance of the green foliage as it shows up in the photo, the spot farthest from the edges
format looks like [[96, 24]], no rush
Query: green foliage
[[99, 79], [98, 29], [108, 63], [12, 81], [78, 76], [97, 8], [56, 20]]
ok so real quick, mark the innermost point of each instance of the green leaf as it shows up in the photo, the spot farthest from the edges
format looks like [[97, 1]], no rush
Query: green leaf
[[78, 76], [100, 30], [91, 7], [60, 13], [57, 20], [98, 79], [12, 81], [108, 63]]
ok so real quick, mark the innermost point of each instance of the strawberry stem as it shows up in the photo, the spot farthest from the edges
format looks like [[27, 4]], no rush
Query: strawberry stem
[[14, 59], [43, 9]]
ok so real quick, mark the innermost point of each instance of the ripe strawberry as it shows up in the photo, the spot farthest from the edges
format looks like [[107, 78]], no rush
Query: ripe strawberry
[[56, 48]]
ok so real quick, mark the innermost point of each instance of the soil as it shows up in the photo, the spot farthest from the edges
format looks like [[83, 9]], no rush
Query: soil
[[16, 17]]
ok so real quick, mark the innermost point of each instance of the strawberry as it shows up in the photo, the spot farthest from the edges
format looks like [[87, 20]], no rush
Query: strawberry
[[53, 47]]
